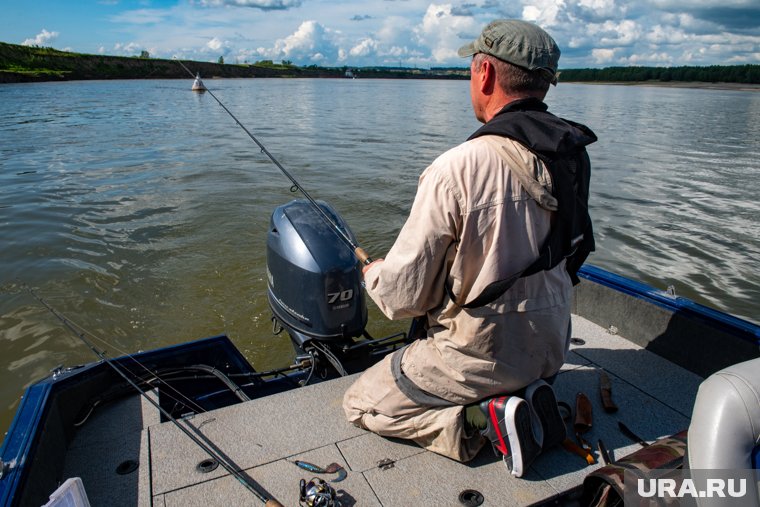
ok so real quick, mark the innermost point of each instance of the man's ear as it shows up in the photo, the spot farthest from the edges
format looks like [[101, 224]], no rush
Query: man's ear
[[487, 77]]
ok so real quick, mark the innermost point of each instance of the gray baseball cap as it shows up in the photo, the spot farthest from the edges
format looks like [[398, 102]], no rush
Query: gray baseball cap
[[517, 42]]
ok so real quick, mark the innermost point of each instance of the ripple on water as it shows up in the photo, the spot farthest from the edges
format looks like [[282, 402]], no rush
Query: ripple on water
[[141, 210]]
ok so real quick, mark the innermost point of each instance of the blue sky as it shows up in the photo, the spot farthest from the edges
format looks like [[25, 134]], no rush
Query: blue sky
[[421, 33]]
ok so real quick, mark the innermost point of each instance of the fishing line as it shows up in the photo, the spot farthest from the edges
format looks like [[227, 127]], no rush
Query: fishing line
[[78, 329], [207, 447], [363, 257]]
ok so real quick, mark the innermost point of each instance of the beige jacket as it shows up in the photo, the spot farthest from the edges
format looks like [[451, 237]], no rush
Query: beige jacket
[[472, 223]]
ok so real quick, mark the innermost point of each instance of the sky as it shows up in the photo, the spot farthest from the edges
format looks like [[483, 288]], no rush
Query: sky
[[408, 33]]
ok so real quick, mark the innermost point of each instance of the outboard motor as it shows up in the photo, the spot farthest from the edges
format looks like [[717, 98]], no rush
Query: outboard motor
[[314, 279]]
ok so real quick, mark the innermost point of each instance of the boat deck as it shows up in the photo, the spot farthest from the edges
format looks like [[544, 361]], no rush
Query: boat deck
[[265, 436]]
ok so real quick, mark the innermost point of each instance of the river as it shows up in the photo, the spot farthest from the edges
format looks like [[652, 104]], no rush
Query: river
[[140, 209]]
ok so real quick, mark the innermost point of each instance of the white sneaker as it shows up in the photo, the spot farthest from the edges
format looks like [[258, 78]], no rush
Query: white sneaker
[[510, 431]]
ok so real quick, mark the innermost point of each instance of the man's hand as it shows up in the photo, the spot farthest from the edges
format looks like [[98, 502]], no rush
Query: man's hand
[[367, 267]]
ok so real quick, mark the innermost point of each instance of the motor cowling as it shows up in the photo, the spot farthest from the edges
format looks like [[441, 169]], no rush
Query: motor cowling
[[313, 277]]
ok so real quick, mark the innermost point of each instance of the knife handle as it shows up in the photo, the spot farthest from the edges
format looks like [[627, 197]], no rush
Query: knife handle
[[605, 390], [607, 403], [584, 418]]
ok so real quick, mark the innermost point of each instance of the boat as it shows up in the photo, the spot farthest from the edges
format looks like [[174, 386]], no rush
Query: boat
[[281, 435], [198, 85]]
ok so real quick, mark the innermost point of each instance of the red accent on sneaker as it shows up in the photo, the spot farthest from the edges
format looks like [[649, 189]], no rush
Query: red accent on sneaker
[[501, 446]]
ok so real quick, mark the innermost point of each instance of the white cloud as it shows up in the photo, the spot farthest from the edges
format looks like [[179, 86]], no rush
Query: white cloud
[[395, 30], [659, 35], [365, 48], [41, 39], [309, 37], [214, 44], [310, 43], [218, 45], [127, 49], [428, 33], [624, 33], [690, 4], [603, 56], [605, 35], [598, 5], [650, 59], [265, 5], [144, 17], [439, 32], [431, 40], [545, 13]]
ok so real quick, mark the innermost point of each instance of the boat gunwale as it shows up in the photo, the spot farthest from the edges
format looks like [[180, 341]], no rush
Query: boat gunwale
[[736, 326]]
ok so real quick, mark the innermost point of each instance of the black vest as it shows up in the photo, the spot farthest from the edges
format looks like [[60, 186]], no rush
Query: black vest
[[561, 145]]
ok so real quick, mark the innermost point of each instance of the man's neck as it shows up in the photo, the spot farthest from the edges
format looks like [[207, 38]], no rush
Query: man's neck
[[499, 102]]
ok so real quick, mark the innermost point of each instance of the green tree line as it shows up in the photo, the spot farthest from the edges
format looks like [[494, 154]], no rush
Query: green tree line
[[24, 63], [747, 74]]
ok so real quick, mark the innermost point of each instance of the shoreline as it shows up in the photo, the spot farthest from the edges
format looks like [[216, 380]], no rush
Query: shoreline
[[698, 85], [11, 78], [20, 64]]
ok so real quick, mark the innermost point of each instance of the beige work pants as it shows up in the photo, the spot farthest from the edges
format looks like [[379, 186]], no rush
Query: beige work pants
[[375, 403]]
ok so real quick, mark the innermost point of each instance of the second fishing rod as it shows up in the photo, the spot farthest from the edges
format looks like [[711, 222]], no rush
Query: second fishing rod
[[361, 255]]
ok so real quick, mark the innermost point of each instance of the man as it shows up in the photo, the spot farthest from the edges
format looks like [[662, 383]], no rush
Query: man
[[481, 218]]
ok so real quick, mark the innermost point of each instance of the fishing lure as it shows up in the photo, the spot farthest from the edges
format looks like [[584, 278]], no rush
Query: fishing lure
[[329, 469]]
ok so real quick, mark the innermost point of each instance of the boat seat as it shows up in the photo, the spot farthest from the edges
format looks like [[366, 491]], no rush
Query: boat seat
[[724, 433]]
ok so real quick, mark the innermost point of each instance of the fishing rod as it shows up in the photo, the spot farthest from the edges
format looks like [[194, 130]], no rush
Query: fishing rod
[[215, 454], [363, 257]]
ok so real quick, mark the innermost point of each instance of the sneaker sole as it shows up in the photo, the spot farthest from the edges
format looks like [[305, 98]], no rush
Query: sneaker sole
[[524, 447], [544, 403]]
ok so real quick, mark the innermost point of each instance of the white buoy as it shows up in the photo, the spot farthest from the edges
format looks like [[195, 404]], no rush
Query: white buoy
[[198, 85]]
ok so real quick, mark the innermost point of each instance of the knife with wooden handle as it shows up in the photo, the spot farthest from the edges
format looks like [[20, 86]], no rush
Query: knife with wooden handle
[[605, 389]]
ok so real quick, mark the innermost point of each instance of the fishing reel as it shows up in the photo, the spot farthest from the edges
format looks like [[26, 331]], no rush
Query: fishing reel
[[317, 493]]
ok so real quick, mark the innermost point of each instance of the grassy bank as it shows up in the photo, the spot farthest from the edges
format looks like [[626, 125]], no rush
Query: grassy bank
[[25, 63]]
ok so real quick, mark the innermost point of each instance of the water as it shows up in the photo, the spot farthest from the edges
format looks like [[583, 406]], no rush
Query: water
[[140, 210]]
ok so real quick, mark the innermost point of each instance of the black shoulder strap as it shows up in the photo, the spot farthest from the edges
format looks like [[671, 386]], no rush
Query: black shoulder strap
[[491, 293], [571, 235]]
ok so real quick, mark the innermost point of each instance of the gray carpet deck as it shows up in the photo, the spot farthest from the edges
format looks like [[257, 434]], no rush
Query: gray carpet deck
[[263, 437]]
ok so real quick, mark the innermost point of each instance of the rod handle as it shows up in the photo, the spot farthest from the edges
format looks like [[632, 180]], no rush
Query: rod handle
[[363, 256], [273, 503]]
